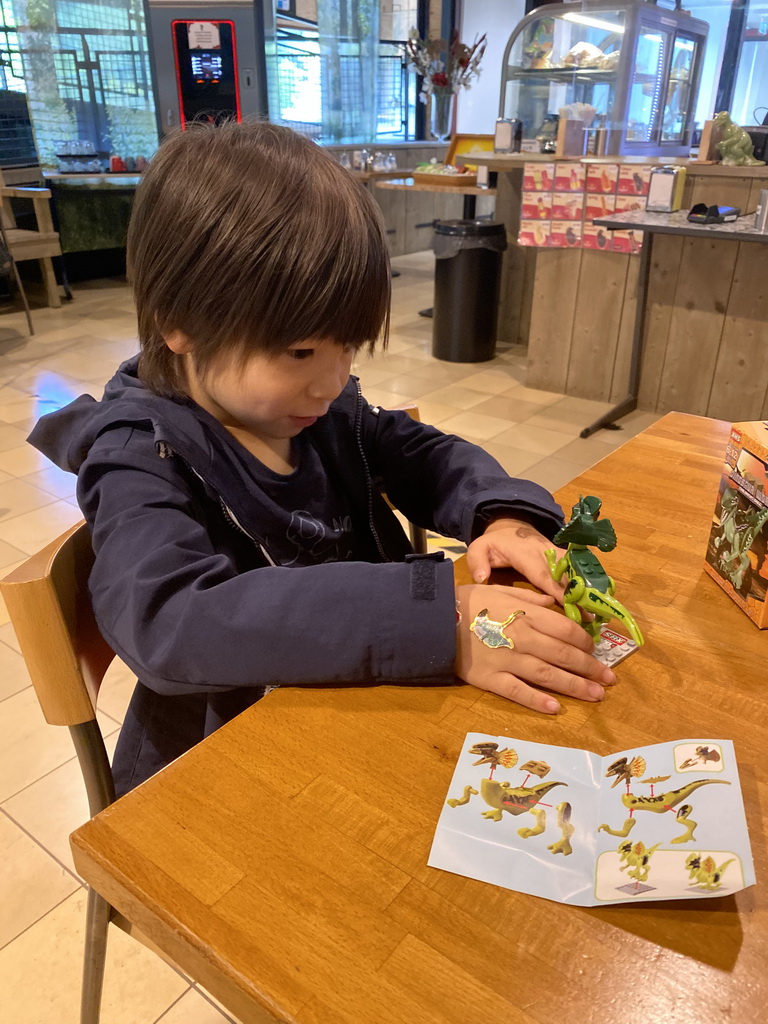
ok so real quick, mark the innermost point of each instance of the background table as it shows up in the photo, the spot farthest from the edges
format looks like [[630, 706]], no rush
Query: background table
[[283, 861], [470, 192]]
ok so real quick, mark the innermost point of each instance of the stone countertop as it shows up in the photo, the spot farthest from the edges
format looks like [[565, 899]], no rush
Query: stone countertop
[[512, 161], [741, 230]]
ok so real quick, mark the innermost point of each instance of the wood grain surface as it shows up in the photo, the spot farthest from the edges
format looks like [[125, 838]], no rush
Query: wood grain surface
[[283, 861]]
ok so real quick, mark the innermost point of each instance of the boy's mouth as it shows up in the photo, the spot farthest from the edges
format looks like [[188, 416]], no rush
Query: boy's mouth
[[304, 421]]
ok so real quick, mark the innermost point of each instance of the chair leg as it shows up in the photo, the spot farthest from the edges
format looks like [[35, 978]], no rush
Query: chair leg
[[23, 294], [96, 925], [49, 279]]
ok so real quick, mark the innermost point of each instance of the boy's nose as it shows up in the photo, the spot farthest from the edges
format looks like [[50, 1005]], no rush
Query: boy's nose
[[329, 384]]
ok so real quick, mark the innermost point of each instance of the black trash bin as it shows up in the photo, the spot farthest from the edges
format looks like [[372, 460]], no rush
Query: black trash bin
[[467, 276]]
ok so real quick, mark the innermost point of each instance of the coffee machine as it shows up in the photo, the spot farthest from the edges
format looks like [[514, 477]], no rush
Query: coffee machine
[[207, 60]]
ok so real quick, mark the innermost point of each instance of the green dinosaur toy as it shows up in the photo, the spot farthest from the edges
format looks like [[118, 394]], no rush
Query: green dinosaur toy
[[589, 586], [735, 146]]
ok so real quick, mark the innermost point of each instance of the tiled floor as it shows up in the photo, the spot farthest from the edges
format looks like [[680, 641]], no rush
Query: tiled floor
[[532, 433]]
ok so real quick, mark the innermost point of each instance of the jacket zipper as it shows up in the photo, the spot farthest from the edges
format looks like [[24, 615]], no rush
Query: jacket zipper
[[369, 482], [165, 451]]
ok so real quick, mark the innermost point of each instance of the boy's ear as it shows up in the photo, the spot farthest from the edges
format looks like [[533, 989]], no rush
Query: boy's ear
[[178, 342]]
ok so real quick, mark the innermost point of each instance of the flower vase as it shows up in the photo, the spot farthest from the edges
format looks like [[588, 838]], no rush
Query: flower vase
[[442, 113]]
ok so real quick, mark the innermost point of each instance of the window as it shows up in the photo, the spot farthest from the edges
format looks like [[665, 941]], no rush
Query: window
[[336, 71], [85, 69]]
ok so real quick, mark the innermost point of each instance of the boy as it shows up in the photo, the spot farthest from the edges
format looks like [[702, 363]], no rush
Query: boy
[[231, 475]]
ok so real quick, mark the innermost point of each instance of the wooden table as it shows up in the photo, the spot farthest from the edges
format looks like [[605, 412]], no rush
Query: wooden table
[[282, 862], [470, 192]]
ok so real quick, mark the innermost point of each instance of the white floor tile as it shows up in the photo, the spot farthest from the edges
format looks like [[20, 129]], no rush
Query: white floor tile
[[40, 974]]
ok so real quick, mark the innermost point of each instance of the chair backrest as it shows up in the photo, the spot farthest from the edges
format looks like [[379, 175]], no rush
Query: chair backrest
[[50, 608]]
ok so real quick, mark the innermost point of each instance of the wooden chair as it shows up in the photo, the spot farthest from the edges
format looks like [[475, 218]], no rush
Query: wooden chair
[[24, 244], [8, 268], [50, 608]]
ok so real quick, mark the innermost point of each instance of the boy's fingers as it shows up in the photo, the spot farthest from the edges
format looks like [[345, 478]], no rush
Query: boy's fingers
[[560, 627], [478, 565], [541, 673], [505, 684]]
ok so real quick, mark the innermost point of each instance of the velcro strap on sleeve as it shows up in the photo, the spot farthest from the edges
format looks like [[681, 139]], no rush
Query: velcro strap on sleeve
[[423, 572]]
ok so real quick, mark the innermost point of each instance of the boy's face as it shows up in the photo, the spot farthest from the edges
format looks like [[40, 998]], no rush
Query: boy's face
[[272, 397]]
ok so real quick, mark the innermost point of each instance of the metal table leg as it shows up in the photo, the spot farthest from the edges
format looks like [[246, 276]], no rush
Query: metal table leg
[[608, 420]]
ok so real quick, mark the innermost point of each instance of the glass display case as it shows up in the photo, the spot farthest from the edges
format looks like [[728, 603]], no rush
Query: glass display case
[[637, 64]]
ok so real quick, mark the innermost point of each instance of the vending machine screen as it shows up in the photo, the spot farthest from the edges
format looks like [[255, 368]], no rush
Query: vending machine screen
[[206, 70]]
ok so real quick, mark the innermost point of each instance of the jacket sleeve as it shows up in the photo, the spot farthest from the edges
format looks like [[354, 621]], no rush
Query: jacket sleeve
[[184, 619], [441, 482]]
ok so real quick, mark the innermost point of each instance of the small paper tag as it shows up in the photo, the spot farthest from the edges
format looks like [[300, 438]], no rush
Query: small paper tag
[[613, 647]]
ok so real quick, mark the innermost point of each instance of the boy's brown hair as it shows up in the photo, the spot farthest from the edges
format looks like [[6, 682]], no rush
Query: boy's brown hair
[[249, 237]]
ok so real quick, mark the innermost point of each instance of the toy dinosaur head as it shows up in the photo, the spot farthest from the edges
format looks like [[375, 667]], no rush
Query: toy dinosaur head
[[585, 527]]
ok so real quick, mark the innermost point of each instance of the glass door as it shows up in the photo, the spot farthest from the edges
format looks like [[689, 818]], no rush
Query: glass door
[[645, 85], [677, 112]]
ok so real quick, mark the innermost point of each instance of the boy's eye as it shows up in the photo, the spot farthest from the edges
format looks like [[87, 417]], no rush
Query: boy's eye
[[300, 353]]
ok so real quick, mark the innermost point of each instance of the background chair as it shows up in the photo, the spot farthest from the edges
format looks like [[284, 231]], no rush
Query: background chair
[[41, 244], [50, 608], [8, 269]]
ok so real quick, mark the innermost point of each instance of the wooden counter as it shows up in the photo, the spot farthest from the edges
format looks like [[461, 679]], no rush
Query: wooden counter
[[707, 304]]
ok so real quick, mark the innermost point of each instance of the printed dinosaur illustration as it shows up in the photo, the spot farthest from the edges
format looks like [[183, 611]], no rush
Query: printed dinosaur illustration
[[636, 856], [567, 829], [589, 586], [515, 800], [705, 872], [703, 756], [490, 754], [661, 803], [625, 770]]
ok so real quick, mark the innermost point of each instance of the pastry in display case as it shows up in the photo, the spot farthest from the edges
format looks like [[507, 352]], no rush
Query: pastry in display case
[[637, 65]]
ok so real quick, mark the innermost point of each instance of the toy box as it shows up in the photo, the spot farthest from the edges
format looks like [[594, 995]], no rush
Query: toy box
[[738, 541]]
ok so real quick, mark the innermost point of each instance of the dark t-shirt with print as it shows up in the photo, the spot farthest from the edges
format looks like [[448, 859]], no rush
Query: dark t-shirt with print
[[316, 520]]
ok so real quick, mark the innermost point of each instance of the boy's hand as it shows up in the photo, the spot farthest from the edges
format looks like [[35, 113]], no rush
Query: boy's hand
[[515, 544], [550, 651]]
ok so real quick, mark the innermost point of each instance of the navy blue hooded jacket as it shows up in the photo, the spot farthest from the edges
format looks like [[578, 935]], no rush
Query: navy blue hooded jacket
[[188, 593]]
